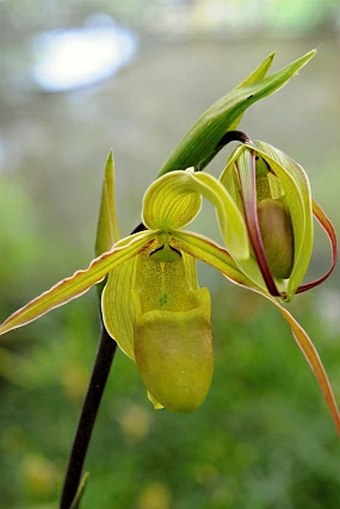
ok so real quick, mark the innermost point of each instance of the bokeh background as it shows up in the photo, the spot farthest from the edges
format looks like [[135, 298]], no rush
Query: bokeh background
[[80, 77]]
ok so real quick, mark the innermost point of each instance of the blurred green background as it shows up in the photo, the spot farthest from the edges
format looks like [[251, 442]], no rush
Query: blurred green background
[[263, 438]]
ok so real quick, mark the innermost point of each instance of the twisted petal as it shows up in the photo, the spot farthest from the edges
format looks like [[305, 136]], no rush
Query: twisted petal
[[309, 351], [239, 178], [79, 283], [328, 228]]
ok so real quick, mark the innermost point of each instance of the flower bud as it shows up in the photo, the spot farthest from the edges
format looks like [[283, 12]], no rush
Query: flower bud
[[277, 235]]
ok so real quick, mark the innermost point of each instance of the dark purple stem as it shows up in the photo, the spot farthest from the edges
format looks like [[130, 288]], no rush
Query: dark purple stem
[[101, 369]]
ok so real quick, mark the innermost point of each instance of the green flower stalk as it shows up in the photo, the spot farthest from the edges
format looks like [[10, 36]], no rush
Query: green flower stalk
[[150, 298]]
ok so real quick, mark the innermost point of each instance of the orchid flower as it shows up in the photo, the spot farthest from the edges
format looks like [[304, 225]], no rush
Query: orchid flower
[[274, 196], [151, 302]]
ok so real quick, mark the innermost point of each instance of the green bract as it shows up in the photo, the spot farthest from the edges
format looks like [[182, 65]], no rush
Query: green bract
[[151, 301]]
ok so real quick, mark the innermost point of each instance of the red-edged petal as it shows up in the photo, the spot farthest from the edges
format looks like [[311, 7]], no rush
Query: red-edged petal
[[311, 355], [248, 190], [329, 230]]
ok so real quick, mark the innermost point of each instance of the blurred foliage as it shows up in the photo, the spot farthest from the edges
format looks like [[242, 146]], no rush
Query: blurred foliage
[[272, 13], [262, 439], [175, 15]]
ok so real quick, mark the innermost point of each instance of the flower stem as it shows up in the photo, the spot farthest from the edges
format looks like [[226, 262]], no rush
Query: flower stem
[[101, 369]]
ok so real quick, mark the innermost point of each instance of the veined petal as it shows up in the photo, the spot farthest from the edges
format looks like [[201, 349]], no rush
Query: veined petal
[[311, 355], [230, 220], [168, 203], [298, 197], [161, 320], [118, 307], [174, 200], [119, 294], [245, 166], [79, 283], [238, 173], [216, 256]]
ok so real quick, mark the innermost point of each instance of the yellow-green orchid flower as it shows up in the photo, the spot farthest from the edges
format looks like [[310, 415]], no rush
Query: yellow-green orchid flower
[[273, 194], [151, 303]]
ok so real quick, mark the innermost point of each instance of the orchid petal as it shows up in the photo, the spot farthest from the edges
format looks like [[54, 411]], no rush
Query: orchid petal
[[297, 194], [237, 163], [117, 305], [230, 220], [210, 252], [172, 332], [247, 178], [79, 283], [328, 228], [170, 203], [311, 355]]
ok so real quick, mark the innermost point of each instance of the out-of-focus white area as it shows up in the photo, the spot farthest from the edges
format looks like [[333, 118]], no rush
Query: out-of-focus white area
[[76, 57]]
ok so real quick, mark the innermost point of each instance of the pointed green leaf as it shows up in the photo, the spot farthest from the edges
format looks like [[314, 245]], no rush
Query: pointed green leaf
[[80, 491], [79, 283], [258, 74], [107, 228], [202, 141]]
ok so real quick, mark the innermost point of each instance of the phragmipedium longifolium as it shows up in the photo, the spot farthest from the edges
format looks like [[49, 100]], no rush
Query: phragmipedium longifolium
[[151, 302]]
